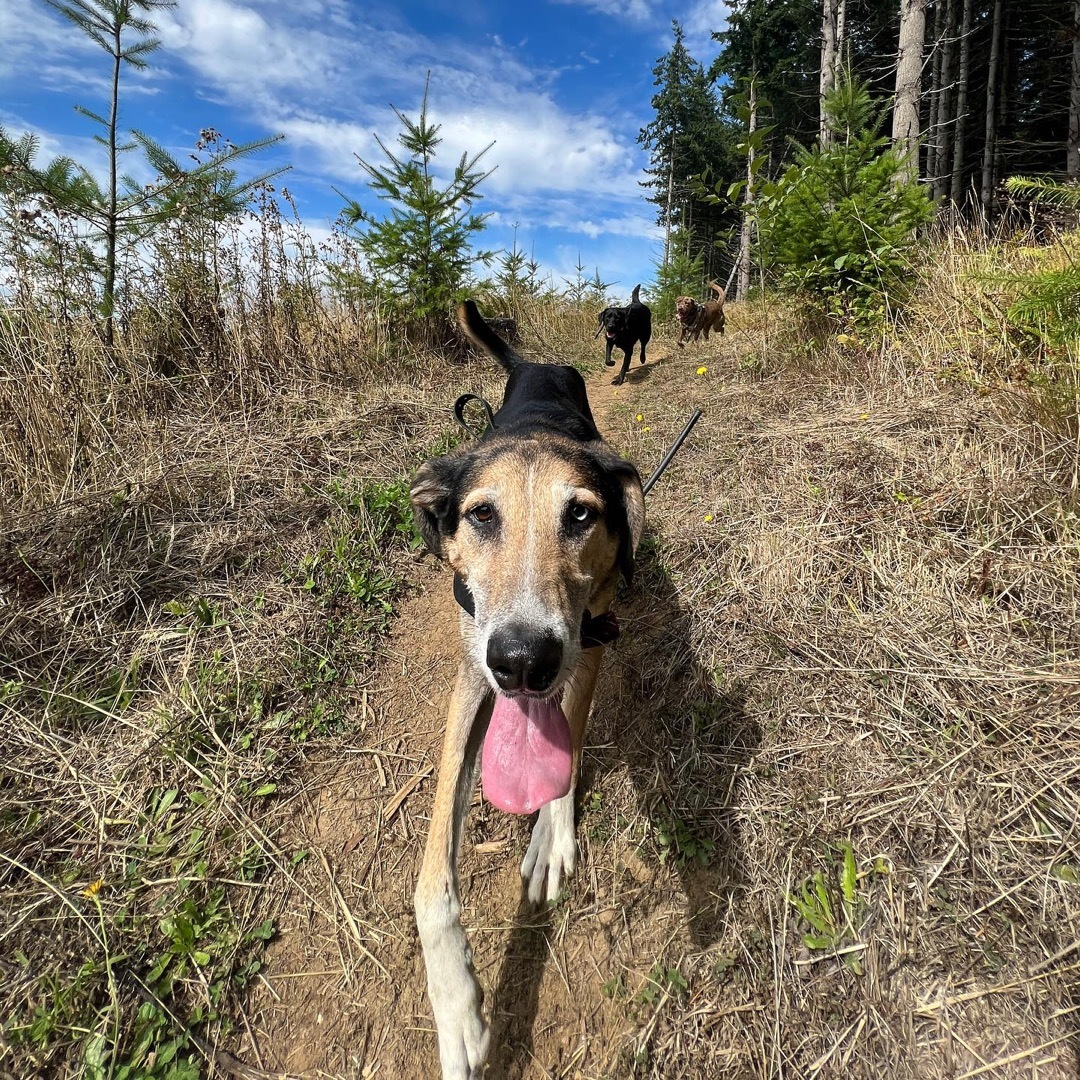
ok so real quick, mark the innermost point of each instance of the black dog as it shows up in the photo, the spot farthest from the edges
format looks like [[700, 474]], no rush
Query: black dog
[[624, 327]]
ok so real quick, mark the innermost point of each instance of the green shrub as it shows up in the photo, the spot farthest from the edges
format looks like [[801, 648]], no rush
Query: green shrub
[[841, 223], [419, 254], [681, 275]]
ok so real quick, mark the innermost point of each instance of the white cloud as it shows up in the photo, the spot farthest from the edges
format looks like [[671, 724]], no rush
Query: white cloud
[[633, 226], [300, 79], [700, 21], [244, 53], [60, 55], [31, 36], [638, 10], [540, 148]]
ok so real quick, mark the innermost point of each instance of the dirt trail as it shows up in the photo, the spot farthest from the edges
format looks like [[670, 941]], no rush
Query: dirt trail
[[343, 987]]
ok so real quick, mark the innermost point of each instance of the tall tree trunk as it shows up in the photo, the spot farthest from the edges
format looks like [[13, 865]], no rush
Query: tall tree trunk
[[945, 103], [992, 89], [935, 99], [748, 201], [957, 192], [109, 297], [841, 29], [905, 129], [827, 77], [1072, 154], [670, 190]]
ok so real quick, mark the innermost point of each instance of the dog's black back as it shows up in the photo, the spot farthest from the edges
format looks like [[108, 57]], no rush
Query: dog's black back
[[624, 327], [548, 397]]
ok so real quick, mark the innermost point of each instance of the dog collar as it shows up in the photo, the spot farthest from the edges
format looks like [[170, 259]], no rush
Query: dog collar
[[596, 630]]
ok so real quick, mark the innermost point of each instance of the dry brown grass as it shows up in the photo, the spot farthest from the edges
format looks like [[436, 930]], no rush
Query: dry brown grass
[[854, 624]]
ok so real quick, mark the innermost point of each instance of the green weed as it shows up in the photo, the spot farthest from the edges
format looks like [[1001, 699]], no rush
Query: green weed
[[662, 981], [680, 844], [830, 905]]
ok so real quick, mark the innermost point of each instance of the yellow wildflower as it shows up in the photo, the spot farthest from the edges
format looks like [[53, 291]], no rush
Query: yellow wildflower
[[708, 518], [639, 418], [702, 370], [93, 888]]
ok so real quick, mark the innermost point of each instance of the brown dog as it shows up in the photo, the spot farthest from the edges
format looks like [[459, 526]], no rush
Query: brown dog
[[695, 318]]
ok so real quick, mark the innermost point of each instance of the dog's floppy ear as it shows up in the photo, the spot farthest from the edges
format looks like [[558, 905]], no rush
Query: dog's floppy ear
[[600, 322], [626, 509], [434, 495]]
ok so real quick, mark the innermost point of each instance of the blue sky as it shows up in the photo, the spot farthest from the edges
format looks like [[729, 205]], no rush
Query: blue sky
[[561, 87]]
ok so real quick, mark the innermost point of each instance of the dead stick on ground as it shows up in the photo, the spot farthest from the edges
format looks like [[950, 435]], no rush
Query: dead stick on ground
[[392, 807], [1051, 960], [350, 921], [1018, 1056]]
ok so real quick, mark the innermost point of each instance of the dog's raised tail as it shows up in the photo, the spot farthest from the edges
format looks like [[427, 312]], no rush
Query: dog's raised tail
[[635, 296], [476, 329], [718, 289]]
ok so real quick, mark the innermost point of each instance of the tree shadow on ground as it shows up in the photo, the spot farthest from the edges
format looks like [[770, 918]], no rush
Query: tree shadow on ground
[[661, 714]]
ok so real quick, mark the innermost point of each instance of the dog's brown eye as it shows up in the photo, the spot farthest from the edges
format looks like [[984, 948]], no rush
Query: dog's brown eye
[[482, 514], [580, 514]]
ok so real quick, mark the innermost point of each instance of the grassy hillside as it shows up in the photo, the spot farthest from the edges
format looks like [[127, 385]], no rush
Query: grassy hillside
[[828, 815]]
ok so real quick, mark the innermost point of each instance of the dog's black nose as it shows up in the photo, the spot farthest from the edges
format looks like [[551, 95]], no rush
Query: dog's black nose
[[524, 659]]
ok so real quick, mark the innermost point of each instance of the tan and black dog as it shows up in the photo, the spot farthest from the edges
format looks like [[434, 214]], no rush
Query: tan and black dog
[[539, 520], [696, 318]]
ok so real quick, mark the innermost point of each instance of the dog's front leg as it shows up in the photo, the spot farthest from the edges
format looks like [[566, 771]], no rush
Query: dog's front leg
[[456, 997], [607, 355], [553, 848], [621, 377]]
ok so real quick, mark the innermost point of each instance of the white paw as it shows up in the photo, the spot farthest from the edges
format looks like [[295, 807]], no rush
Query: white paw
[[552, 850], [457, 1000]]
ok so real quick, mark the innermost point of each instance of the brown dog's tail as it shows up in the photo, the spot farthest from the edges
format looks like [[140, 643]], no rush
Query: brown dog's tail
[[484, 338], [718, 290]]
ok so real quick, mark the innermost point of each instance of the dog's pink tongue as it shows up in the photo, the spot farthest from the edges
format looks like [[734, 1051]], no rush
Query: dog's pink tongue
[[527, 760]]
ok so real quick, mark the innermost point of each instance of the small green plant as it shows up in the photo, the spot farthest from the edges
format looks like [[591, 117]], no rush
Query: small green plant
[[682, 275], [680, 844], [829, 903], [203, 614], [662, 981], [420, 253]]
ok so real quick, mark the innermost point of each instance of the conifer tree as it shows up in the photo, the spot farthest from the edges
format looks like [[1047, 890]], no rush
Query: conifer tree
[[106, 23], [687, 139], [841, 222], [420, 253]]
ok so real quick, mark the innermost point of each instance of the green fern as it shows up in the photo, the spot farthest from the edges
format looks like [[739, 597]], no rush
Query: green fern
[[1045, 190], [1048, 305]]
